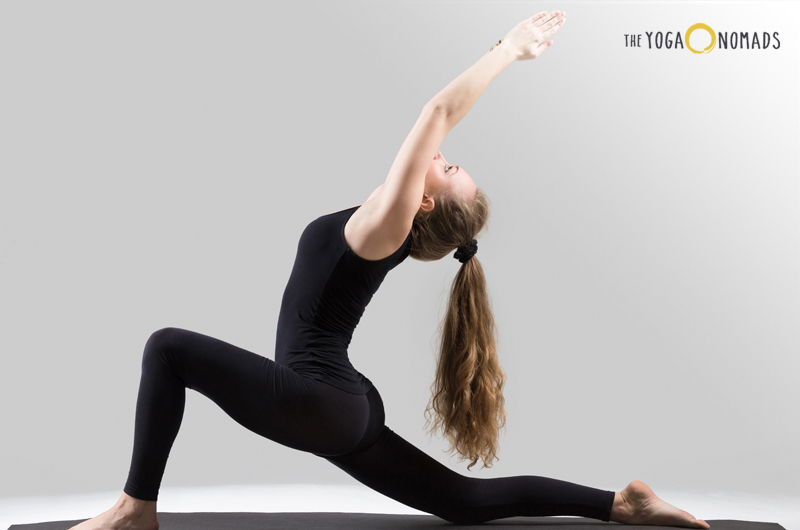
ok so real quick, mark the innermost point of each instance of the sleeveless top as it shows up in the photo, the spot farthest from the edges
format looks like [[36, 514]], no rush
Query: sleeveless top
[[328, 290]]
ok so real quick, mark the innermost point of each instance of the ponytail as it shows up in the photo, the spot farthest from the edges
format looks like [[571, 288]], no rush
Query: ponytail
[[467, 400], [466, 404]]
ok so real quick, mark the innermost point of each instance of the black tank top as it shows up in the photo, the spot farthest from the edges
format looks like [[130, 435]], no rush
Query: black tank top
[[328, 290]]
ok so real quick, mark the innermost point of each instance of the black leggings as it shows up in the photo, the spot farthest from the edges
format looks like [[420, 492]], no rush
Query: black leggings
[[347, 429]]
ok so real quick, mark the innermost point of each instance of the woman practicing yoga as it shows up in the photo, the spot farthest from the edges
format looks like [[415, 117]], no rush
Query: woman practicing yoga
[[312, 399]]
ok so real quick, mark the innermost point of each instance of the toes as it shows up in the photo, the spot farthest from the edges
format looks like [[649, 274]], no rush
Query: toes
[[696, 523]]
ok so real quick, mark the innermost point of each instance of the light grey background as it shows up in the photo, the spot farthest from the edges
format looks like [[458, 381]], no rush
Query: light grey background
[[159, 161]]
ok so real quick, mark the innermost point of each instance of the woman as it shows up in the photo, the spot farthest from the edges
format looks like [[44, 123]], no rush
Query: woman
[[312, 399]]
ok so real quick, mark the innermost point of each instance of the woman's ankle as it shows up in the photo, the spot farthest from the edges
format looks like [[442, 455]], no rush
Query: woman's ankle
[[620, 510], [128, 504]]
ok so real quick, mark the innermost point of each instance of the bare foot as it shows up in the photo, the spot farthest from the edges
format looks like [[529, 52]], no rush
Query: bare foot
[[128, 514], [637, 504]]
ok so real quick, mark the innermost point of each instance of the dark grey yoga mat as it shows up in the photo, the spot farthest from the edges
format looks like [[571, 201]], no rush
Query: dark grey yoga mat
[[368, 521]]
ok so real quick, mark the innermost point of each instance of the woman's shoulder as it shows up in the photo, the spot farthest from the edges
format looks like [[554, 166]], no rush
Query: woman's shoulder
[[372, 234]]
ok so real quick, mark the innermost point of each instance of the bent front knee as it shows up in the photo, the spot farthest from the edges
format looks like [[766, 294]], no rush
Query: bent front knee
[[159, 342]]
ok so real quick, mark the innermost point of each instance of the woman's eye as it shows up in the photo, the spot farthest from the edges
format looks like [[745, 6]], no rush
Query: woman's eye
[[447, 168]]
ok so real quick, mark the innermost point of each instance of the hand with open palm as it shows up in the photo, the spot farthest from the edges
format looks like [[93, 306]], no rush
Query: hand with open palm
[[529, 39]]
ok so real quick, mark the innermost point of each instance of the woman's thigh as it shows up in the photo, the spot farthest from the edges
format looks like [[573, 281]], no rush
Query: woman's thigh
[[265, 397]]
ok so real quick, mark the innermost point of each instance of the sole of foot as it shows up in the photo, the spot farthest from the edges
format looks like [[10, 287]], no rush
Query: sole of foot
[[644, 507]]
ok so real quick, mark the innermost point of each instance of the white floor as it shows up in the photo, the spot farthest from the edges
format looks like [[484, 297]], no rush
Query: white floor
[[331, 498]]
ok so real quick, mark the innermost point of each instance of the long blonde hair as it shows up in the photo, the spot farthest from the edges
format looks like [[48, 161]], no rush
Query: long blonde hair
[[466, 404]]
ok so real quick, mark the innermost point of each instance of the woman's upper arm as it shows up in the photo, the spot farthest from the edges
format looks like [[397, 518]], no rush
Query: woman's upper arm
[[402, 192]]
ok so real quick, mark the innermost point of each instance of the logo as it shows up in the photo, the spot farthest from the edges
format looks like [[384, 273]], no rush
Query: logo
[[734, 40]]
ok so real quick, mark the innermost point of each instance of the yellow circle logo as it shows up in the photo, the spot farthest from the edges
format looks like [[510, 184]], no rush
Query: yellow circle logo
[[710, 31]]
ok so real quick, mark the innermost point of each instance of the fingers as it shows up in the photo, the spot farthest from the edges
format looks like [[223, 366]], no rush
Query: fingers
[[542, 19], [538, 16], [556, 26]]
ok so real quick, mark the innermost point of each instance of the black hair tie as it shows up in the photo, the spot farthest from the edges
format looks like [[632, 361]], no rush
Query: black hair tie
[[465, 252]]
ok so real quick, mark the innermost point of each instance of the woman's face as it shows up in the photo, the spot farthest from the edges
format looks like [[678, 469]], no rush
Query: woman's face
[[444, 176]]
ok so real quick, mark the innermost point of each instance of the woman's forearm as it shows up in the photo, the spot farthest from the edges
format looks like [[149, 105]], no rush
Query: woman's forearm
[[459, 96]]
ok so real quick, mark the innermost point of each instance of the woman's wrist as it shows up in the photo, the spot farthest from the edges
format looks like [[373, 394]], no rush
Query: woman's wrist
[[504, 47], [506, 53]]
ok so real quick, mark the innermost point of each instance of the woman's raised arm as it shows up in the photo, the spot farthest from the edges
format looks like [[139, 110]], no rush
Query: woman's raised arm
[[527, 40], [400, 196]]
